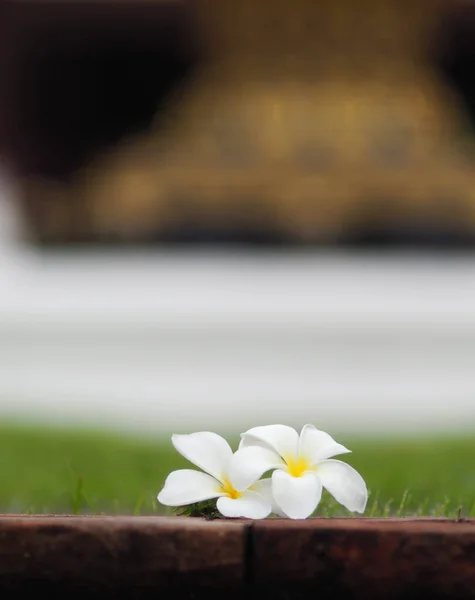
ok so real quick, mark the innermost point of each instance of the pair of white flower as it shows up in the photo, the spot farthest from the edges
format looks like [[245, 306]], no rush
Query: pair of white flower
[[301, 466]]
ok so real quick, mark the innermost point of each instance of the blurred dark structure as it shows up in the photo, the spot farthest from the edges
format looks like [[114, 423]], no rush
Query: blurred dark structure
[[454, 53], [259, 120]]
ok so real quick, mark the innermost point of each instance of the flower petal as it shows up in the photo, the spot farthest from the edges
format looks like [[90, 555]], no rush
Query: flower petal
[[207, 450], [187, 486], [281, 438], [344, 483], [250, 463], [297, 497], [316, 445], [264, 488], [250, 505]]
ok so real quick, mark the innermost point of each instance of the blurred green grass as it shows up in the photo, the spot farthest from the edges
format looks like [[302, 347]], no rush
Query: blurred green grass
[[45, 470]]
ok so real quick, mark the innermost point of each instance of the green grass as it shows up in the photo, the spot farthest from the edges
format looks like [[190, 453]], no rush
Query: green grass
[[68, 471]]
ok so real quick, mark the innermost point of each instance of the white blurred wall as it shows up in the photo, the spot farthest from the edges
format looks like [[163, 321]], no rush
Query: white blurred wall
[[166, 342]]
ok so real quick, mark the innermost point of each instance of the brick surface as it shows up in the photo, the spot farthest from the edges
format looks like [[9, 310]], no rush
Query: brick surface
[[160, 557], [365, 558], [114, 556]]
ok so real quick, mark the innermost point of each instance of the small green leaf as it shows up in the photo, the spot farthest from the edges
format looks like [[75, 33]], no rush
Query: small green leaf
[[206, 509]]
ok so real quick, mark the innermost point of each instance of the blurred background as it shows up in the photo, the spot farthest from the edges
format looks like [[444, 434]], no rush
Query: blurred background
[[219, 214]]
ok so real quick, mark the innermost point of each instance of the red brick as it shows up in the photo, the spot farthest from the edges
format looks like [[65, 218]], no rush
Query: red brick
[[110, 555], [365, 558]]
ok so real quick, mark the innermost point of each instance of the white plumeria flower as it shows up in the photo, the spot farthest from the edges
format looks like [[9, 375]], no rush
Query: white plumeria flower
[[301, 468], [212, 453]]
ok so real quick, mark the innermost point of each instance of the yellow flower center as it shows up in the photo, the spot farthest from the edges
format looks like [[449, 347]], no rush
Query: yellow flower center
[[297, 466], [228, 489]]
